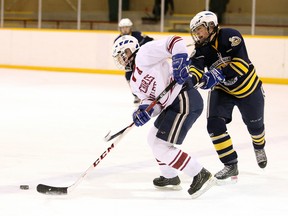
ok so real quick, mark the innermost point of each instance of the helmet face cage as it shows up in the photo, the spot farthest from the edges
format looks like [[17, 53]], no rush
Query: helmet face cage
[[120, 60], [123, 49], [207, 19]]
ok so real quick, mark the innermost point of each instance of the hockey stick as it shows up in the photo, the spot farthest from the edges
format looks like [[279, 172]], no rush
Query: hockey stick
[[109, 137], [53, 190]]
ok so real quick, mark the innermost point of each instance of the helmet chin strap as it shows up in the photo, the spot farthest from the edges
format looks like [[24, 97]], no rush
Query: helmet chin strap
[[133, 54], [211, 35]]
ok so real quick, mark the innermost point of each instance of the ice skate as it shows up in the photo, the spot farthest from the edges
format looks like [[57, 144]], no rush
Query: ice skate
[[228, 175], [202, 182], [261, 157], [167, 183]]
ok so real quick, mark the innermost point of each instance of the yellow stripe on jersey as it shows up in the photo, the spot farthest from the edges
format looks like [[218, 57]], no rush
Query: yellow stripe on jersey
[[245, 64], [245, 89], [198, 74], [244, 83], [248, 92], [240, 66], [248, 85]]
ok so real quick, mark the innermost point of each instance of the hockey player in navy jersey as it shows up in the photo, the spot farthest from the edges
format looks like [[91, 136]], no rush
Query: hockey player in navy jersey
[[176, 111], [233, 82], [125, 27]]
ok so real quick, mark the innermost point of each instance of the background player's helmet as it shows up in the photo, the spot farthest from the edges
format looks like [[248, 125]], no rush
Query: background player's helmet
[[120, 50], [206, 18], [125, 22]]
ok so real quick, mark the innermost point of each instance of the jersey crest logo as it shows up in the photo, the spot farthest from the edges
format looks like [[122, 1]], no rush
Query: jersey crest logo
[[235, 41], [145, 83]]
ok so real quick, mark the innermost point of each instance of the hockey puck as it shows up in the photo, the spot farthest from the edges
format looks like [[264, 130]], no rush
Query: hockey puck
[[24, 187]]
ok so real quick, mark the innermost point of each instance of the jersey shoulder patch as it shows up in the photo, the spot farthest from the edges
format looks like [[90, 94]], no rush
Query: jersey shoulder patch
[[235, 41]]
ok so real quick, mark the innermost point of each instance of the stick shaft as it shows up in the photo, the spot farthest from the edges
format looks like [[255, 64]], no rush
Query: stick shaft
[[161, 95], [54, 190]]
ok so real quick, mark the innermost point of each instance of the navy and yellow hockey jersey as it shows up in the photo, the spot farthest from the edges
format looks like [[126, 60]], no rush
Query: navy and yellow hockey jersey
[[227, 52]]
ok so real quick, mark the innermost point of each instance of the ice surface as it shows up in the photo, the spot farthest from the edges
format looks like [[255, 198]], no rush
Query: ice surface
[[52, 127]]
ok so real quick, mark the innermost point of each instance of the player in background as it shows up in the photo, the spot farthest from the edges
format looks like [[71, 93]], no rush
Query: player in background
[[176, 112], [125, 27], [233, 82]]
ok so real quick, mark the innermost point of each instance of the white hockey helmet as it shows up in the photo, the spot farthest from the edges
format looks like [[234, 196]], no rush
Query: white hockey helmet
[[206, 18], [125, 22], [123, 50]]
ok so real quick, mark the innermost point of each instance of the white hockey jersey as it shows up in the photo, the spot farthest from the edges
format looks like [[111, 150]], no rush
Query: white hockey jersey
[[153, 71]]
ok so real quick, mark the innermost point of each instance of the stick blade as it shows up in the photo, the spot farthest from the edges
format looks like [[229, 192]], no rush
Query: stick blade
[[109, 137], [50, 190]]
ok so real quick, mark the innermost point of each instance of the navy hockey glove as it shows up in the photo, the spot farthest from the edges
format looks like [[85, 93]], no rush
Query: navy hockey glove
[[179, 63], [212, 78], [141, 116]]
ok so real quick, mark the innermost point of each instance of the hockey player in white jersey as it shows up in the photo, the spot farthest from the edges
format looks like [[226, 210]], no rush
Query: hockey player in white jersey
[[176, 111]]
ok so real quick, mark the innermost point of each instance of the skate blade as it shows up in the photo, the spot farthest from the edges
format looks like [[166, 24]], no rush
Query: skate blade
[[228, 181], [211, 182], [169, 187]]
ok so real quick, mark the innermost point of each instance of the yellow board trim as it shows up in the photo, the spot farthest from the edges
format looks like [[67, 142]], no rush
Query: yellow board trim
[[270, 80], [283, 81], [57, 69]]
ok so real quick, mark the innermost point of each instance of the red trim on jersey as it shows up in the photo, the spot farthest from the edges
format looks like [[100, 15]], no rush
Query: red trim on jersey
[[139, 71], [171, 44], [133, 78]]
